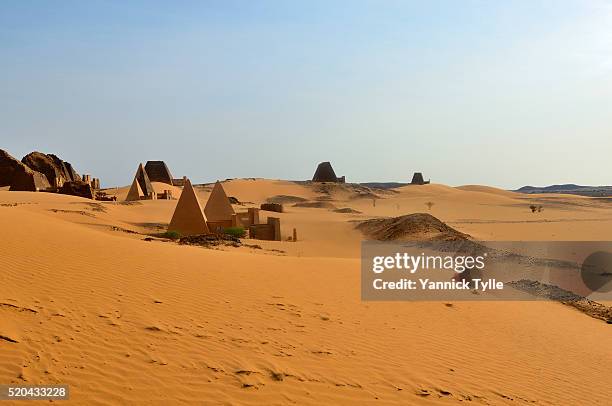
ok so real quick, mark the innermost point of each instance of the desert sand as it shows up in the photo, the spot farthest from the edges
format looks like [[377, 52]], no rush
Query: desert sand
[[86, 301]]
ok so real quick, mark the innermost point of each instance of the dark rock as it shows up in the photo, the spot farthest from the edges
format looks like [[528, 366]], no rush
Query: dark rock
[[77, 188], [55, 169], [18, 176], [347, 210], [208, 240], [275, 207], [44, 164]]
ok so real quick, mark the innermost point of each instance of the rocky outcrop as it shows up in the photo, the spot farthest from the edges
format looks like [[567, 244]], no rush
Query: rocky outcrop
[[8, 167], [18, 176], [56, 170]]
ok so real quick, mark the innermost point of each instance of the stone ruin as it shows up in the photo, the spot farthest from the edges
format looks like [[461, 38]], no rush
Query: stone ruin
[[247, 218], [145, 183], [269, 231], [325, 173], [158, 172], [93, 182], [417, 179]]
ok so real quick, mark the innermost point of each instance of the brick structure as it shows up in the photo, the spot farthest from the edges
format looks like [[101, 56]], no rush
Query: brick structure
[[269, 231]]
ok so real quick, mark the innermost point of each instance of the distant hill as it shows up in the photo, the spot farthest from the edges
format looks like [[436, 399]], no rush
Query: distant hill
[[569, 188]]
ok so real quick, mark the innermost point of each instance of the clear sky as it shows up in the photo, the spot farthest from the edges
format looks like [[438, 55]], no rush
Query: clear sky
[[504, 93]]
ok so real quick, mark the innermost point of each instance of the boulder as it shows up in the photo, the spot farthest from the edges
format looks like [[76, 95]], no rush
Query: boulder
[[18, 176]]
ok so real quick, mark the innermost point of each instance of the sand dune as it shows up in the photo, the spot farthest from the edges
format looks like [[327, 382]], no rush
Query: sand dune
[[85, 301]]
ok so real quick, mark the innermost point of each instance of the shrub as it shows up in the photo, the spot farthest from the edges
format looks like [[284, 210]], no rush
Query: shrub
[[238, 232], [173, 235], [429, 205]]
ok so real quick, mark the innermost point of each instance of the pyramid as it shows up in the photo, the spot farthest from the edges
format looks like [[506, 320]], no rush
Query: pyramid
[[135, 192], [417, 179], [143, 180], [325, 173], [188, 218], [218, 207]]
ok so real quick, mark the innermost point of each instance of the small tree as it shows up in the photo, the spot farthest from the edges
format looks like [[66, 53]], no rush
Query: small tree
[[429, 205]]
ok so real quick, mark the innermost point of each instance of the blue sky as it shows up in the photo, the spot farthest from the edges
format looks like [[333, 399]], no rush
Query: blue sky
[[504, 93]]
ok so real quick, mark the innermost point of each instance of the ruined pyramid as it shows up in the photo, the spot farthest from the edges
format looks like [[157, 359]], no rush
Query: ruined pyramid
[[135, 192], [158, 172], [218, 207], [143, 180], [188, 218], [325, 173]]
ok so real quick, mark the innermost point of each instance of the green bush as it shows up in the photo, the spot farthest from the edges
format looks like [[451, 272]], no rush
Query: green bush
[[239, 232], [173, 235]]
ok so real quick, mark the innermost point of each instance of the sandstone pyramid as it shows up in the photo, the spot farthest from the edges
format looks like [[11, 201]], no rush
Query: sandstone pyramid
[[143, 181], [218, 207], [188, 218], [135, 192]]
